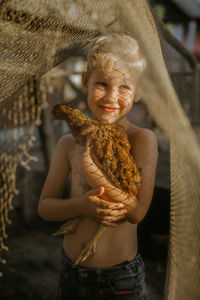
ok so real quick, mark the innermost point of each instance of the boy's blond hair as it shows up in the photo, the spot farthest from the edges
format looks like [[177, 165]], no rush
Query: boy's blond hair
[[116, 48]]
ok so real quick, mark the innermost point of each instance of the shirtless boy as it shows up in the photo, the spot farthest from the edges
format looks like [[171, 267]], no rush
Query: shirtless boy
[[114, 67]]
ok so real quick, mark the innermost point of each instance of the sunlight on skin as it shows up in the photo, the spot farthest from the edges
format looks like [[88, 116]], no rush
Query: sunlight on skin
[[110, 93]]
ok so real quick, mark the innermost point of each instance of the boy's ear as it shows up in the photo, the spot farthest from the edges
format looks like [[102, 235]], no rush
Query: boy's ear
[[84, 83]]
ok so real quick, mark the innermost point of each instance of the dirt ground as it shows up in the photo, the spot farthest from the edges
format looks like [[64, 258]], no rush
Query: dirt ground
[[33, 263]]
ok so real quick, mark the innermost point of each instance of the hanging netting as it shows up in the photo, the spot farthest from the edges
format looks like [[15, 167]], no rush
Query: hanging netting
[[37, 35]]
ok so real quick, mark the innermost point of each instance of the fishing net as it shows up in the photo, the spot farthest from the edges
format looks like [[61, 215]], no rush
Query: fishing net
[[38, 35]]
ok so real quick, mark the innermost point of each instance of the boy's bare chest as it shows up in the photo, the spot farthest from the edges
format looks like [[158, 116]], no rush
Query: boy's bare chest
[[79, 185]]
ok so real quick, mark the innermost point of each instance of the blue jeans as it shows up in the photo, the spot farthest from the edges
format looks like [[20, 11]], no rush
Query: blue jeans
[[124, 281]]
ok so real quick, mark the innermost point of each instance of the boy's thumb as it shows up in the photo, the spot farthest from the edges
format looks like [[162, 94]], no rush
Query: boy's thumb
[[100, 191]]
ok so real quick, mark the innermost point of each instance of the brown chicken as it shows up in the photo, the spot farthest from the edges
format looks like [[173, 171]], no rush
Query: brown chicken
[[106, 160]]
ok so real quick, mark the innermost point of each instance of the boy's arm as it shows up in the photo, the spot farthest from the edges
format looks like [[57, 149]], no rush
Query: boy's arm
[[52, 208], [144, 149]]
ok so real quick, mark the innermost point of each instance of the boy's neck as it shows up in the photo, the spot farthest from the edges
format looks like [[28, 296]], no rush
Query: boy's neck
[[124, 122]]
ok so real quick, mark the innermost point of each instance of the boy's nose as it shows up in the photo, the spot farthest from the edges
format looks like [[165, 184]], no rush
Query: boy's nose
[[111, 96]]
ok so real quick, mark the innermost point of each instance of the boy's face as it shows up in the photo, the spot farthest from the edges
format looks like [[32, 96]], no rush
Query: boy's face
[[110, 92]]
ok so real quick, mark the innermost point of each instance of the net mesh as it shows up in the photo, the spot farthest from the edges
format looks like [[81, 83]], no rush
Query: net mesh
[[36, 36]]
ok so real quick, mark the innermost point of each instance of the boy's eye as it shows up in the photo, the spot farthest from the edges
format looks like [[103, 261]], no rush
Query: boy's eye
[[101, 83], [124, 87]]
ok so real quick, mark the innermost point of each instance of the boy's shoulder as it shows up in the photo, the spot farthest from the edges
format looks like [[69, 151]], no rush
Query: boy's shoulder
[[66, 139], [66, 143], [142, 133], [135, 132], [138, 137], [143, 138]]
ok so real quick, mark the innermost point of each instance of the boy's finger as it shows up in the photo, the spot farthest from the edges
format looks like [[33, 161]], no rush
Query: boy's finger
[[107, 204], [116, 205], [110, 212], [106, 223], [101, 191], [96, 192], [118, 212], [112, 205], [113, 219], [104, 212]]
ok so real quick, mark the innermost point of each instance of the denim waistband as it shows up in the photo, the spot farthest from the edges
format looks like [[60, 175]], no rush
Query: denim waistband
[[85, 272]]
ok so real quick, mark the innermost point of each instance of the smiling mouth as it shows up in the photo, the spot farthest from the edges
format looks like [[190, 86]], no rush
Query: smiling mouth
[[109, 108]]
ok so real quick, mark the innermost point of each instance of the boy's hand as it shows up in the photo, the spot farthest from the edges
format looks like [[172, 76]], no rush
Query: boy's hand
[[105, 212]]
